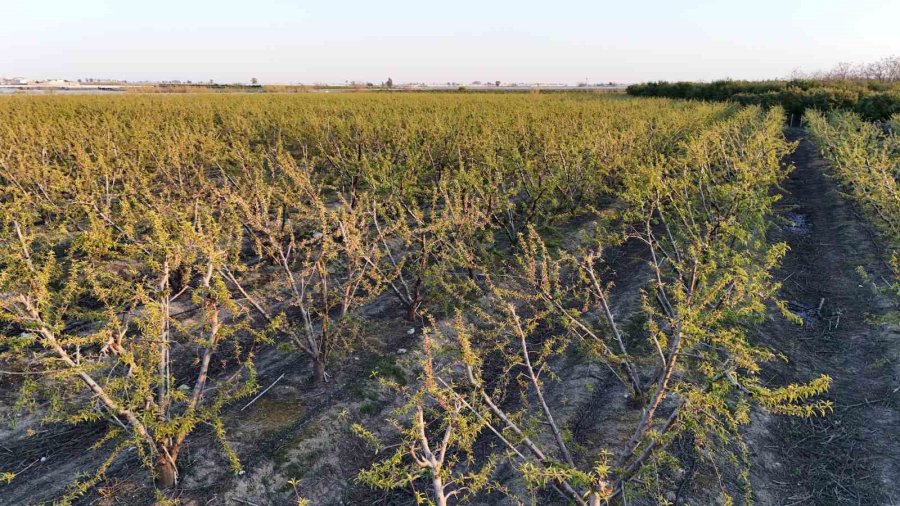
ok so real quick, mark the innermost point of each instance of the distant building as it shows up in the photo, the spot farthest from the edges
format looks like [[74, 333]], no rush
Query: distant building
[[13, 81], [59, 83]]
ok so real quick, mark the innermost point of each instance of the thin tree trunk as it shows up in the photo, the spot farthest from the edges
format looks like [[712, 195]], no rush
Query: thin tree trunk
[[412, 310], [319, 369], [439, 497], [165, 472], [163, 388], [539, 391]]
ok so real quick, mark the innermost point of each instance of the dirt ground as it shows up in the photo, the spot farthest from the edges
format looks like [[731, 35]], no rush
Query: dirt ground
[[299, 430], [851, 456]]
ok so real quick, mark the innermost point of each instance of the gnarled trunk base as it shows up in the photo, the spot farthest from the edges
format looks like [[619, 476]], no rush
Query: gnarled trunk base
[[319, 370], [412, 312], [165, 473]]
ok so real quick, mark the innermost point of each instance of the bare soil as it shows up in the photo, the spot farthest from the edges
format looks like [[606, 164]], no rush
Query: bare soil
[[851, 456]]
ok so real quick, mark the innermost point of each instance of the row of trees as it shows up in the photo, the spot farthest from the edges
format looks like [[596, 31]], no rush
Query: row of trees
[[872, 98], [153, 245], [691, 371], [866, 159], [884, 70]]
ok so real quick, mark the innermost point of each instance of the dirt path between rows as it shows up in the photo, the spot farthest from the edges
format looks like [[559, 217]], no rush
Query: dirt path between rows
[[851, 456]]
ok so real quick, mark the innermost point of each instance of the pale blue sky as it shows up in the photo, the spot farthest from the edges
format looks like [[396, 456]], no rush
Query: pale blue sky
[[453, 40]]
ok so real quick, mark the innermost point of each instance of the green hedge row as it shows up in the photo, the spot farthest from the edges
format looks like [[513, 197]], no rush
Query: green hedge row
[[873, 100]]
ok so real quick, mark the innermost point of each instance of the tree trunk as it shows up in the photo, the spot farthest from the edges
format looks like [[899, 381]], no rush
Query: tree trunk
[[439, 497], [319, 369], [165, 473], [412, 311]]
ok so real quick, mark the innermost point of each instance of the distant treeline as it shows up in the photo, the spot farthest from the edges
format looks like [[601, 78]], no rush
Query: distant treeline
[[871, 99]]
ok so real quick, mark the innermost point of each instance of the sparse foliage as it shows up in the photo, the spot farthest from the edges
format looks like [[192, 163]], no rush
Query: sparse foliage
[[153, 245]]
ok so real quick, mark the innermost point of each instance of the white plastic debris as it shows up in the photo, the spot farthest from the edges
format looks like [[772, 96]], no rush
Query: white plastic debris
[[411, 331], [401, 351]]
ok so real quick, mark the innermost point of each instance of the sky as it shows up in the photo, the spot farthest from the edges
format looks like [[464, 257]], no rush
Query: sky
[[290, 41]]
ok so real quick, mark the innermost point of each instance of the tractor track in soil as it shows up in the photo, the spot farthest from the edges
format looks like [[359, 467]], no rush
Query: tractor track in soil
[[852, 455]]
